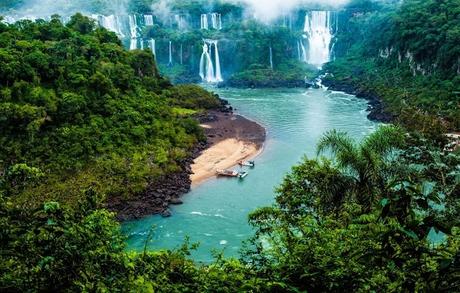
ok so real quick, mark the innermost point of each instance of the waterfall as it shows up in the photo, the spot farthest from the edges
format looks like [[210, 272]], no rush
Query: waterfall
[[319, 33], [204, 22], [271, 58], [218, 71], [299, 52], [206, 66], [216, 21], [304, 56], [181, 54], [170, 54], [148, 20], [133, 30], [207, 72], [133, 44], [152, 45], [180, 21], [110, 22]]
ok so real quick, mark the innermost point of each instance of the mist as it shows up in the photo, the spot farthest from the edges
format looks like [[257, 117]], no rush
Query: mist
[[269, 10], [44, 8], [263, 10]]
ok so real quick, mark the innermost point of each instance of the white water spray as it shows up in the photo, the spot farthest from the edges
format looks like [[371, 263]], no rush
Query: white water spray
[[318, 31], [207, 71], [216, 21], [152, 45], [170, 54], [133, 28], [271, 57], [204, 22], [148, 20]]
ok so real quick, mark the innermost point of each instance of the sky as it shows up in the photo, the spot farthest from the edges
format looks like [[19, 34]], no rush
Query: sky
[[265, 10], [271, 9]]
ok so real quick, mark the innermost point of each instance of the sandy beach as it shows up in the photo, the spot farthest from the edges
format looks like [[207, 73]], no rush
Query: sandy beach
[[231, 138]]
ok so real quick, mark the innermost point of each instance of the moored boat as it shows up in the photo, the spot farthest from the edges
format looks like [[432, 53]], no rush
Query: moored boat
[[228, 173], [247, 163], [242, 175]]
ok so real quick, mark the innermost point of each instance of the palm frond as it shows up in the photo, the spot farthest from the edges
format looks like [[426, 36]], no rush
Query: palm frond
[[384, 140], [341, 146]]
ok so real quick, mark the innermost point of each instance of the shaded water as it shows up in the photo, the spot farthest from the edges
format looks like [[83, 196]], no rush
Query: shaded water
[[215, 213]]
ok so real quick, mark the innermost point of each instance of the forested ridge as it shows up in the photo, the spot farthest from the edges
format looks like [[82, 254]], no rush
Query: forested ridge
[[78, 110], [82, 120], [407, 54]]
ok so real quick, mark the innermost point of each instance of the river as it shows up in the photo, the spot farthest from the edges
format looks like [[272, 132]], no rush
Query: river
[[215, 212]]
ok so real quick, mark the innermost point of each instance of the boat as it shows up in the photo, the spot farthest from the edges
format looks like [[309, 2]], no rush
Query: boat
[[241, 175], [247, 163], [227, 173]]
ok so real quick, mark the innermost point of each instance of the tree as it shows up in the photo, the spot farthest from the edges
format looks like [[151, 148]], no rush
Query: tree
[[367, 165]]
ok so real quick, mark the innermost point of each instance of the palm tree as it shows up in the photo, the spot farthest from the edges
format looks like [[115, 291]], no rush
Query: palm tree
[[368, 164]]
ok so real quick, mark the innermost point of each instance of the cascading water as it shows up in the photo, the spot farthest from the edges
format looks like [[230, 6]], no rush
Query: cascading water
[[206, 66], [299, 52], [204, 22], [148, 20], [110, 22], [180, 21], [216, 21], [152, 45], [207, 72], [133, 28], [170, 54], [271, 57], [304, 56], [218, 71], [319, 33]]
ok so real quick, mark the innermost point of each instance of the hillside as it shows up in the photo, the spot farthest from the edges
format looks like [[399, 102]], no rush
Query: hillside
[[79, 111], [407, 56]]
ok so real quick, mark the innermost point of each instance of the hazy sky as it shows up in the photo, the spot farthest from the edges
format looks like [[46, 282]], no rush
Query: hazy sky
[[270, 9], [265, 10]]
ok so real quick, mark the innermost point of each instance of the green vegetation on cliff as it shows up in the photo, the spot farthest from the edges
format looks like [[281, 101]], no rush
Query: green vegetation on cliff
[[77, 110], [408, 55]]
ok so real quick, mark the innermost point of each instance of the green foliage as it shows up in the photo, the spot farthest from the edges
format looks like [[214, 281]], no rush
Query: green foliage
[[77, 106], [320, 238], [55, 249], [407, 55]]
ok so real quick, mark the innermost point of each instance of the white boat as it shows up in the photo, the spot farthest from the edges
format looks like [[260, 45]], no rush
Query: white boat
[[247, 164], [241, 175]]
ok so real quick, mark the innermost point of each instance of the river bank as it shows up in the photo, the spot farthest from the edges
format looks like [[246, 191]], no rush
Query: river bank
[[376, 107], [215, 212], [230, 138]]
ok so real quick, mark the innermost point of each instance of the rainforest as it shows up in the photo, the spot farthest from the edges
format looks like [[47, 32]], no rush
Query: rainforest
[[230, 146]]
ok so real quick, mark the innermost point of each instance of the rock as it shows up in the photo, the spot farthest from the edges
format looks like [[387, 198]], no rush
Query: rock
[[176, 201], [166, 213]]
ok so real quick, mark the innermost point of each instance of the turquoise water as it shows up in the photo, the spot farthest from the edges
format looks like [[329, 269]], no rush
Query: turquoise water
[[215, 213]]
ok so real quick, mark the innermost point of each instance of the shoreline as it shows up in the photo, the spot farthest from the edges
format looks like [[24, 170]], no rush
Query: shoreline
[[376, 107], [228, 136], [231, 138]]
